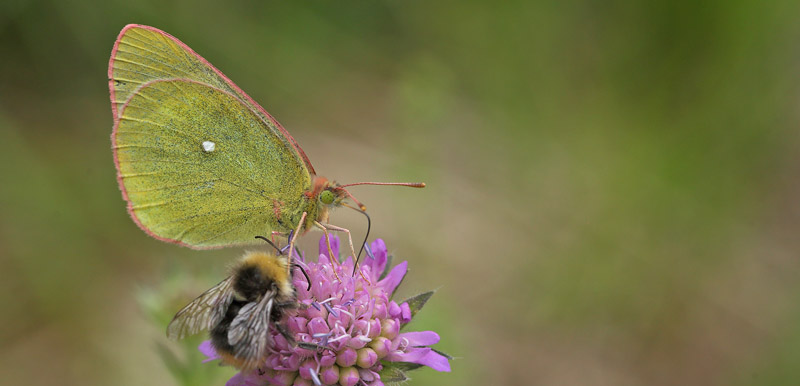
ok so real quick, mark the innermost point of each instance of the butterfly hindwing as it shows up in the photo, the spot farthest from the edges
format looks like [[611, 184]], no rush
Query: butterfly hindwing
[[200, 169]]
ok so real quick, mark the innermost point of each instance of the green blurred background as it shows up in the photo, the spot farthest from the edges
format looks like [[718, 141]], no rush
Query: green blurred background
[[613, 186]]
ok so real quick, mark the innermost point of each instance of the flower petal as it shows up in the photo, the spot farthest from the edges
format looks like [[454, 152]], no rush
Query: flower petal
[[378, 249], [413, 355], [323, 246], [393, 279], [405, 315], [436, 361], [420, 338], [422, 355], [237, 380], [208, 350]]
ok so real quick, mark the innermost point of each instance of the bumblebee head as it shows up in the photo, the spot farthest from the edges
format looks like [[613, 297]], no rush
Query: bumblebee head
[[259, 272]]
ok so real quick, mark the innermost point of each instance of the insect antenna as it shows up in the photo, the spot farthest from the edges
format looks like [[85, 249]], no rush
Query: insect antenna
[[360, 205], [366, 236], [408, 184], [295, 265], [308, 279], [280, 252]]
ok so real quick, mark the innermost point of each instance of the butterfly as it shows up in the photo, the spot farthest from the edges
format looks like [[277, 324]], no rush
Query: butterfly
[[199, 162]]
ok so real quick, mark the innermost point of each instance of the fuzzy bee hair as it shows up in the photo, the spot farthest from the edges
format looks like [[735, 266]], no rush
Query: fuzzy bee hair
[[238, 311]]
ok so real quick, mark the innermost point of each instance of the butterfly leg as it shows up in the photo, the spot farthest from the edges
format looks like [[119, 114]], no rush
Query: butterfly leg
[[340, 229], [275, 233], [334, 259], [349, 239], [291, 243]]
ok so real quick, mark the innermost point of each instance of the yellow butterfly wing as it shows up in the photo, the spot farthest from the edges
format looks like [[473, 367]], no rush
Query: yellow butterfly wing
[[142, 54], [197, 163]]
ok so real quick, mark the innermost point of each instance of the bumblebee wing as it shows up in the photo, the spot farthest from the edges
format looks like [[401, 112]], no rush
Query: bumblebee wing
[[202, 313], [249, 331]]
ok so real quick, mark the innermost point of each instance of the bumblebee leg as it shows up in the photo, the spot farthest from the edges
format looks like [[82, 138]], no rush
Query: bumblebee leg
[[286, 334]]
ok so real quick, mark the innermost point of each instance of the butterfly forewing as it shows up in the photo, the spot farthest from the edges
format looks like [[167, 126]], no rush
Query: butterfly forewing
[[182, 191], [143, 54], [203, 313]]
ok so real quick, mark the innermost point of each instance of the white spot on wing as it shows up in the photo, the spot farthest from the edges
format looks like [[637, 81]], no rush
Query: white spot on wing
[[209, 146]]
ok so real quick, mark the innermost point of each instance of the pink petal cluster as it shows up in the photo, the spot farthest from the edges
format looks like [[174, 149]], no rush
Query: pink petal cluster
[[354, 321]]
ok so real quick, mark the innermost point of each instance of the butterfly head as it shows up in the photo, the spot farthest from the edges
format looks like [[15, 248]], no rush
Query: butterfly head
[[330, 194]]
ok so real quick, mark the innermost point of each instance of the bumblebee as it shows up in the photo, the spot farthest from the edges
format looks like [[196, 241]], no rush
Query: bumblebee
[[238, 311]]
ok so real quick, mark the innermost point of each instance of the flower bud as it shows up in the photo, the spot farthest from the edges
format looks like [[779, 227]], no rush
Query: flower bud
[[374, 328], [307, 367], [327, 359], [348, 376], [380, 310], [299, 381], [381, 346], [346, 357], [366, 358], [329, 375], [390, 328]]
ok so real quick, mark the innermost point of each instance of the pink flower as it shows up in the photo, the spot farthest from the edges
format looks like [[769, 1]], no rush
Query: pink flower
[[348, 329]]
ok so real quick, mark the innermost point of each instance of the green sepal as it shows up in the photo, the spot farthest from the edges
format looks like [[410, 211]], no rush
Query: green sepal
[[446, 355], [402, 366], [415, 303], [393, 373]]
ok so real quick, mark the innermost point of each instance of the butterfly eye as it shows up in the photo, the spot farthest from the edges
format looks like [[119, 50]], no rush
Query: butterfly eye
[[326, 197]]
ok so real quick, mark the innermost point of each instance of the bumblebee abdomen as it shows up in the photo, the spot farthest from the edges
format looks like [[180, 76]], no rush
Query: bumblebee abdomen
[[219, 332], [231, 353]]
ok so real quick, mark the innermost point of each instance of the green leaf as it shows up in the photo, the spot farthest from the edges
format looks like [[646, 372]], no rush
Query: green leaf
[[415, 303]]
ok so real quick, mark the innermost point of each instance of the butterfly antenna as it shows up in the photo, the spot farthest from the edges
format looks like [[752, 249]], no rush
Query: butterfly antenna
[[360, 205], [366, 236], [270, 243], [408, 184]]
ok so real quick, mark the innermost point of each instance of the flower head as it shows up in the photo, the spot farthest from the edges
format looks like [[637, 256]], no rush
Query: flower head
[[347, 329]]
